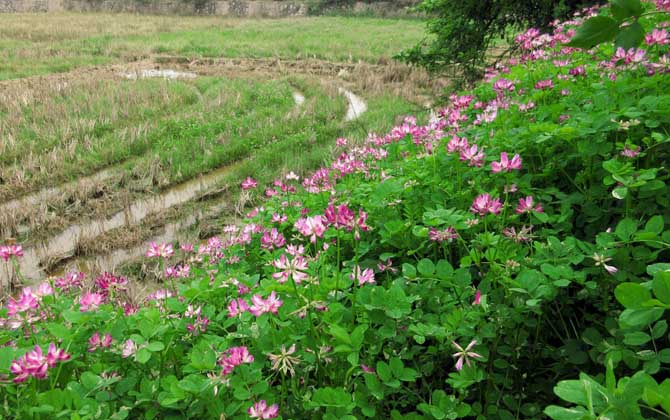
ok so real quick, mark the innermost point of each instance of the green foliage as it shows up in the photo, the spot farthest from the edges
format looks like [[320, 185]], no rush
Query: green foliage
[[461, 32], [622, 27], [422, 282]]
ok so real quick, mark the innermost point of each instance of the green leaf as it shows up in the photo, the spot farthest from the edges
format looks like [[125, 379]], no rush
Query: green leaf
[[444, 270], [358, 336], [73, 317], [624, 9], [636, 338], [630, 37], [632, 295], [660, 328], [90, 380], [426, 267], [331, 397], [340, 333], [658, 267], [661, 286], [155, 346], [143, 355], [655, 225], [384, 371], [594, 31], [560, 413], [374, 386], [640, 317], [625, 229], [409, 271], [620, 193]]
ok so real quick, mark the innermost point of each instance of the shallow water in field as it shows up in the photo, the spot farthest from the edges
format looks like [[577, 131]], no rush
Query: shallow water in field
[[357, 106], [159, 74], [64, 244], [48, 194], [299, 98]]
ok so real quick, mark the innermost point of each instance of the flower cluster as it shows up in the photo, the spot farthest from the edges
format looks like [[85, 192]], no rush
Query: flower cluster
[[233, 357], [36, 364], [9, 251]]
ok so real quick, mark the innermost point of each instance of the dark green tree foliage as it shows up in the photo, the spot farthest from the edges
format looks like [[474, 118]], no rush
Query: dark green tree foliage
[[461, 31]]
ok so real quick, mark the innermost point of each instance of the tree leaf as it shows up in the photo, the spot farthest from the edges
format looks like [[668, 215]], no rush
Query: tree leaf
[[594, 31], [630, 37], [624, 9]]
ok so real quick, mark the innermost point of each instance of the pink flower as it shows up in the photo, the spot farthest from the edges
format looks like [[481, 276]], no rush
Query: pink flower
[[478, 297], [9, 251], [55, 355], [234, 356], [261, 410], [90, 301], [163, 250], [387, 266], [526, 205], [341, 142], [71, 280], [272, 239], [630, 152], [34, 363], [457, 144], [506, 165], [544, 84], [249, 183], [474, 155], [279, 218], [483, 204], [295, 269], [366, 276], [95, 342], [657, 37], [27, 302], [578, 71], [44, 289], [464, 355], [630, 56], [129, 349], [236, 307], [107, 281], [186, 247], [446, 235], [503, 85], [340, 217], [367, 369], [601, 260], [199, 325], [312, 227], [261, 306]]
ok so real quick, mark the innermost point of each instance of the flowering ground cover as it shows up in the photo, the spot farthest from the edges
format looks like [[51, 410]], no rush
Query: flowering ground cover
[[508, 260]]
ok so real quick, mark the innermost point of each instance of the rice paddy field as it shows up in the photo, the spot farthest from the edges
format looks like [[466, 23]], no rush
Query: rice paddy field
[[116, 130]]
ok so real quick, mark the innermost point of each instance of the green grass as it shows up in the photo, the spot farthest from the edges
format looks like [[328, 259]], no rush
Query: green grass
[[63, 42], [180, 128]]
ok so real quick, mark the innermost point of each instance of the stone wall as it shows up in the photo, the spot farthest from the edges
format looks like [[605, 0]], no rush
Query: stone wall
[[238, 8], [241, 8]]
